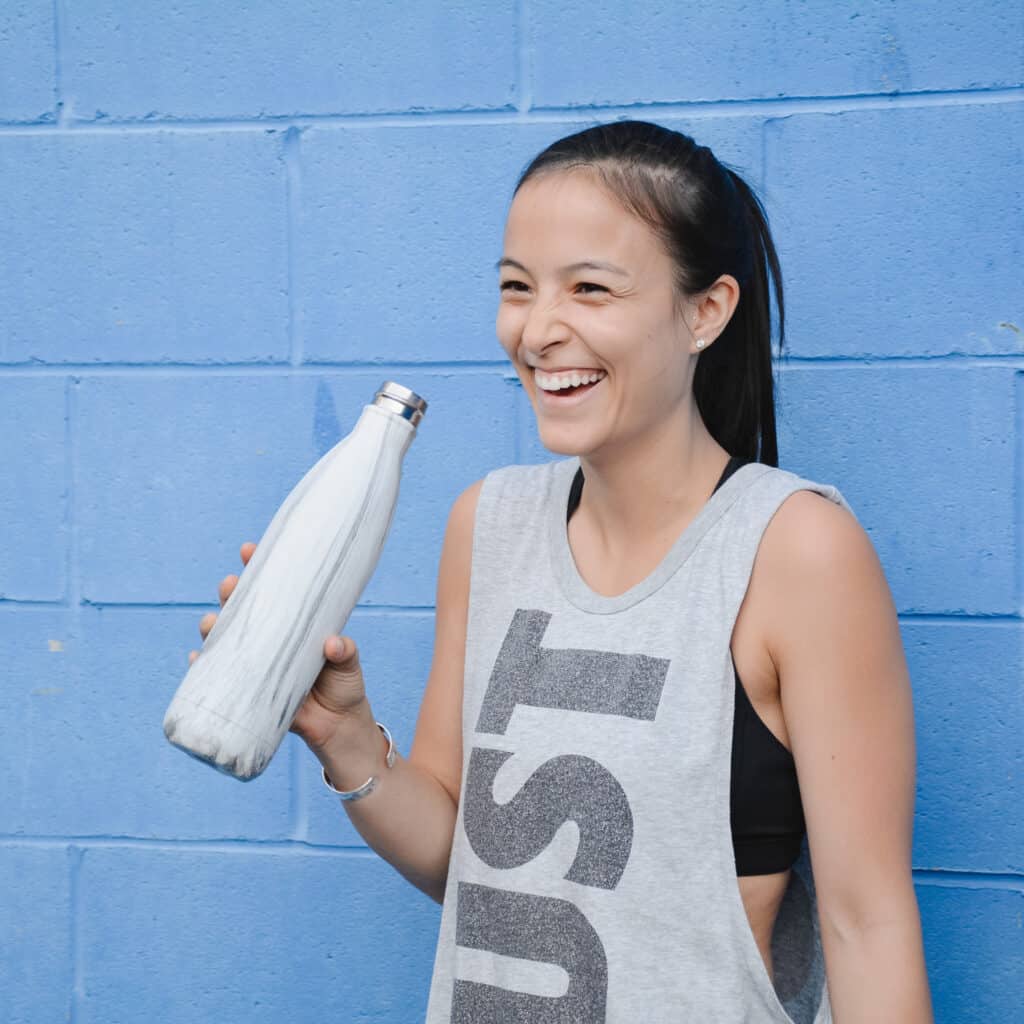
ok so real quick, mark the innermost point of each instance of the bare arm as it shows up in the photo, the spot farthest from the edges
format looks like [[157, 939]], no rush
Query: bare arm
[[846, 697]]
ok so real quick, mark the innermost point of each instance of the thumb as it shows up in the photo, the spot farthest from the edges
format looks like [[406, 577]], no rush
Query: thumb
[[340, 686], [342, 654]]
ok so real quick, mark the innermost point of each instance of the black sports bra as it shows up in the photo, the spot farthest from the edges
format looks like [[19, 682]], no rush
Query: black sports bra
[[765, 809]]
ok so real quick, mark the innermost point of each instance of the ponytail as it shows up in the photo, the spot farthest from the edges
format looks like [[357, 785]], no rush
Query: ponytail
[[733, 383]]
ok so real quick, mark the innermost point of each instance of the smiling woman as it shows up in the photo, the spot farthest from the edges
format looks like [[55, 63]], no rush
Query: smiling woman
[[634, 286], [667, 673]]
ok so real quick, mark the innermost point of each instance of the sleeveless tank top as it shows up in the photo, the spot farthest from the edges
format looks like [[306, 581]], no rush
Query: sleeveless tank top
[[765, 809], [591, 878]]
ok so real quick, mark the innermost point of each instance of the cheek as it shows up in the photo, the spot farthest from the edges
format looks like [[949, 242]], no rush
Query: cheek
[[508, 327]]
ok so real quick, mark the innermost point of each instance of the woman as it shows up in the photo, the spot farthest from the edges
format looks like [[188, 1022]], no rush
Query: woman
[[688, 653]]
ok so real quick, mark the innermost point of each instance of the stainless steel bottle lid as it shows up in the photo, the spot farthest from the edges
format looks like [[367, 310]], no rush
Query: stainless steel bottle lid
[[401, 400]]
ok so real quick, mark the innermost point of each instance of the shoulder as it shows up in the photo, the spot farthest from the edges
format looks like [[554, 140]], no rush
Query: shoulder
[[819, 568], [813, 532], [463, 509], [800, 518]]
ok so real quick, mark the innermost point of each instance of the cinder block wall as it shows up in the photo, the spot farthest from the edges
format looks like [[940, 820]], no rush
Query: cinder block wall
[[221, 229]]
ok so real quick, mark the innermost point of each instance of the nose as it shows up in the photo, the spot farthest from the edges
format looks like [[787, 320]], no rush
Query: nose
[[543, 327]]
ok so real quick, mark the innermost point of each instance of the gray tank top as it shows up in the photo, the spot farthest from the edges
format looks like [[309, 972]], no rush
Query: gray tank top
[[592, 877]]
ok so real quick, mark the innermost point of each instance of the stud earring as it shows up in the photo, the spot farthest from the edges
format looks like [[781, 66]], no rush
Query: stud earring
[[701, 343]]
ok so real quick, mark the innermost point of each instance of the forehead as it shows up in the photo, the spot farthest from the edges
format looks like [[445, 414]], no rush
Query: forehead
[[573, 211]]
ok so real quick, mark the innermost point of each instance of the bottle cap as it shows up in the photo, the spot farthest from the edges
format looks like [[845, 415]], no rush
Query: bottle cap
[[401, 400]]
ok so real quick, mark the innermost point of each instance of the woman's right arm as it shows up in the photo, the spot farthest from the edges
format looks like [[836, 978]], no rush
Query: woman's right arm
[[409, 818]]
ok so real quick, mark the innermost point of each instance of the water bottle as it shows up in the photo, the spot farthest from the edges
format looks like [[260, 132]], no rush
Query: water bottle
[[265, 650]]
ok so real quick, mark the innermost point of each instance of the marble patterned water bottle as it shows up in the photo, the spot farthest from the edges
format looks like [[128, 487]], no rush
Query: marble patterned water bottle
[[265, 650]]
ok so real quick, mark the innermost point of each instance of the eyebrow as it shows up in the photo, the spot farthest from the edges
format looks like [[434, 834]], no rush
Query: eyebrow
[[582, 265]]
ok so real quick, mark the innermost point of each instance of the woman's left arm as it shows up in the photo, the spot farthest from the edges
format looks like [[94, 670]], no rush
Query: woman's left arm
[[834, 637]]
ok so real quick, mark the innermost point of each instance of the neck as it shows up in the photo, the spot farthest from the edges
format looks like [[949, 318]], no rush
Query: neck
[[649, 485]]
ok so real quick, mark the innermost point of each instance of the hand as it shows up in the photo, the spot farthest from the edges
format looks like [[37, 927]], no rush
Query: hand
[[224, 591], [338, 693]]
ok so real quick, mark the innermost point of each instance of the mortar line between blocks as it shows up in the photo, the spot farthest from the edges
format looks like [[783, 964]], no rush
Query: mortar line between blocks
[[785, 106], [58, 71], [75, 857], [768, 106], [293, 204], [797, 363], [167, 844], [954, 879], [524, 97], [517, 428], [162, 607], [425, 611], [283, 369], [972, 361], [73, 589], [1018, 476], [298, 791], [966, 619], [764, 159]]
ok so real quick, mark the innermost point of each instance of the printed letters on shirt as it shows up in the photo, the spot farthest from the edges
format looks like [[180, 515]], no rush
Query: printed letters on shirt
[[569, 787]]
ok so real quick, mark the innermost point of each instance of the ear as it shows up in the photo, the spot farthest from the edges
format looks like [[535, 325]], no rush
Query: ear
[[711, 311]]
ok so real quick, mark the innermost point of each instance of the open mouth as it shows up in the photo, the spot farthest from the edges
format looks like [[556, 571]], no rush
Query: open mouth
[[562, 386]]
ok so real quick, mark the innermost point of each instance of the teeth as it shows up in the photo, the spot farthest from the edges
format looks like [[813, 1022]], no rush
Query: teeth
[[557, 381]]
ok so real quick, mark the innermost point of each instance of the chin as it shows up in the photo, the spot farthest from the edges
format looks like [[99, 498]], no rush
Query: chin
[[562, 442]]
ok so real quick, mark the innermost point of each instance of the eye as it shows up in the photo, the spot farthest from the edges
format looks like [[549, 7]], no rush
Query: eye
[[589, 288], [513, 286]]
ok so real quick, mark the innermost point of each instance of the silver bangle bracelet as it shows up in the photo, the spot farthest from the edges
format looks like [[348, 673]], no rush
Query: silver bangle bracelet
[[371, 783]]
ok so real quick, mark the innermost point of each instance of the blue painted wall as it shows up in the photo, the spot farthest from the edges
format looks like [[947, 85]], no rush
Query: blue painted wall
[[220, 231]]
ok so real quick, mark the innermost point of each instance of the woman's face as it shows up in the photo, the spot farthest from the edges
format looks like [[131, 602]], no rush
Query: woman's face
[[587, 290]]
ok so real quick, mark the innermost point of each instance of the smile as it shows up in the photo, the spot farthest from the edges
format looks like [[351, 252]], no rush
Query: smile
[[567, 379]]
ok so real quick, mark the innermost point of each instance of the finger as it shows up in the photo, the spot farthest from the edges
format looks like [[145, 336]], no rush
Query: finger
[[192, 655], [340, 650], [227, 586], [206, 623], [246, 551]]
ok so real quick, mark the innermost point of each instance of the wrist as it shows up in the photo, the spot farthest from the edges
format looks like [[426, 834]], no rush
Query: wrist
[[356, 750], [372, 781]]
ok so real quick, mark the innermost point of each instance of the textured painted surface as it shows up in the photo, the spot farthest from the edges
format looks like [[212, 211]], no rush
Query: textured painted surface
[[881, 284], [33, 489], [970, 762], [269, 59], [253, 935], [164, 247], [27, 62], [600, 52], [974, 942], [221, 230], [83, 701], [35, 933]]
